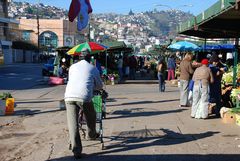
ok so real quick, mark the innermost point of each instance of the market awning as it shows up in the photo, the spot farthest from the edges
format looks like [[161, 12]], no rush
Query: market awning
[[218, 47], [114, 44], [117, 47], [221, 20]]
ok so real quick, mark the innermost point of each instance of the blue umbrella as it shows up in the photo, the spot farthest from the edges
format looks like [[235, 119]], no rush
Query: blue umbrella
[[184, 46]]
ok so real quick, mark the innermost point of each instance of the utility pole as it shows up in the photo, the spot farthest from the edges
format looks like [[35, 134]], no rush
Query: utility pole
[[38, 27], [89, 32]]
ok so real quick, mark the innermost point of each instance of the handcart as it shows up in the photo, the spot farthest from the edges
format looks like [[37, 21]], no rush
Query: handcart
[[99, 104]]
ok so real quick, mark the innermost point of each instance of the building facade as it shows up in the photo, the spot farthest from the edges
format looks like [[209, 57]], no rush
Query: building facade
[[8, 32], [50, 33], [3, 27]]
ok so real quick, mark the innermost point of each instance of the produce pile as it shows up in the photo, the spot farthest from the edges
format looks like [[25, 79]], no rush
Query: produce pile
[[235, 94], [227, 80], [228, 76]]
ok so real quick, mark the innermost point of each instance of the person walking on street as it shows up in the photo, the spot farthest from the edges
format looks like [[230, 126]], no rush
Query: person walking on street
[[171, 67], [202, 77], [161, 67], [120, 68], [132, 67], [186, 72], [84, 78]]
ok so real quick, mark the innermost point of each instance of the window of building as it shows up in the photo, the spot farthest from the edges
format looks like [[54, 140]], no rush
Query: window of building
[[48, 39], [26, 35]]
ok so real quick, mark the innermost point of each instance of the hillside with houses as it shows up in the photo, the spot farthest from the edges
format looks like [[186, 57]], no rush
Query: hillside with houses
[[138, 29]]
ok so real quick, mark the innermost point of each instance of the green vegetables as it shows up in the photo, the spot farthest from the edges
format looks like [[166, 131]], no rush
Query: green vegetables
[[235, 110], [5, 95], [234, 95], [228, 78]]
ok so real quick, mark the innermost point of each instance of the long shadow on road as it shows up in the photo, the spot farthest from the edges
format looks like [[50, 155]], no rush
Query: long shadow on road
[[157, 157], [140, 112], [145, 138], [131, 140], [137, 112], [35, 102], [27, 112], [143, 102]]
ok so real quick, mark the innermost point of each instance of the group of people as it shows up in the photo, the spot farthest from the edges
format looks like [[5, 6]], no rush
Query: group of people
[[206, 89], [207, 84], [127, 67]]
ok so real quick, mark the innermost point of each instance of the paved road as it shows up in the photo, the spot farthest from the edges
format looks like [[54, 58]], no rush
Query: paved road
[[19, 76], [142, 124]]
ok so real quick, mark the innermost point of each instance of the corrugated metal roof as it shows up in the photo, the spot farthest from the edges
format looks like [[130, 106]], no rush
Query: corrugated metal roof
[[219, 21], [114, 44]]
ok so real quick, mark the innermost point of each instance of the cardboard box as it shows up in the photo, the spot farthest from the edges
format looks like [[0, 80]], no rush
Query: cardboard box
[[229, 118]]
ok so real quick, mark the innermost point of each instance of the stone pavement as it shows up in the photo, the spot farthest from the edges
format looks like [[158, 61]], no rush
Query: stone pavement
[[142, 124]]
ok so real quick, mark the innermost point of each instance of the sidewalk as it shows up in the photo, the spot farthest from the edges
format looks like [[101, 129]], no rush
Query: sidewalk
[[142, 124]]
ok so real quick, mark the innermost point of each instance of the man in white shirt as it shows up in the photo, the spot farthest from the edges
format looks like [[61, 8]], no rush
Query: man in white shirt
[[84, 78]]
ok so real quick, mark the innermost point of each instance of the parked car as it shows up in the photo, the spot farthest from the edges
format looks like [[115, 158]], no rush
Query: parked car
[[47, 69]]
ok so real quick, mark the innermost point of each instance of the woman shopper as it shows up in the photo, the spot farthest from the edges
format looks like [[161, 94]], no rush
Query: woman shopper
[[161, 67], [171, 67], [202, 77], [186, 72]]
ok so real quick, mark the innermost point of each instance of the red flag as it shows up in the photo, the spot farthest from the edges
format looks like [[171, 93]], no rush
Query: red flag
[[74, 10]]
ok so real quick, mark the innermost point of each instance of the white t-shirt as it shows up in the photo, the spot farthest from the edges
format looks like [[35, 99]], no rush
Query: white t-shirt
[[84, 78]]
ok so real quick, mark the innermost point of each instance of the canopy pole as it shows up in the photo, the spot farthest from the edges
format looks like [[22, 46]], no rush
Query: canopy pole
[[205, 44], [235, 63], [106, 63], [89, 32]]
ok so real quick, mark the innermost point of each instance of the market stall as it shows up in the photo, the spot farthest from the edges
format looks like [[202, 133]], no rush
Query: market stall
[[221, 20]]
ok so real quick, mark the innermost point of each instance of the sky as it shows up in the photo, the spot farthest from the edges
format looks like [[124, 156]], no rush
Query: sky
[[123, 6]]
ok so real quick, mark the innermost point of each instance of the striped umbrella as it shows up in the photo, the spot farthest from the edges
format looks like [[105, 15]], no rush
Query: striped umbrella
[[93, 47]]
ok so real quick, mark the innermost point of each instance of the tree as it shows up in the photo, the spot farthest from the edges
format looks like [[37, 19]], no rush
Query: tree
[[29, 10]]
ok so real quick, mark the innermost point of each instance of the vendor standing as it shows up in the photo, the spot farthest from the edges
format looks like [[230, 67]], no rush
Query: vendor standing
[[186, 72], [217, 69]]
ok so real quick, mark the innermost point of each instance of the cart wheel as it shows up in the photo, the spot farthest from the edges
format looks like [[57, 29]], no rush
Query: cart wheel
[[104, 115], [103, 147]]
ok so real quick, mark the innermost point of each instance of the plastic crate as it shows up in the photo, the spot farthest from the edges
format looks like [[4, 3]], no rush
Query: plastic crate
[[97, 103]]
